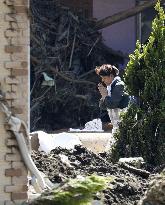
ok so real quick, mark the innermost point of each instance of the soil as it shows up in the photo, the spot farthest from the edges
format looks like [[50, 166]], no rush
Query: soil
[[127, 188]]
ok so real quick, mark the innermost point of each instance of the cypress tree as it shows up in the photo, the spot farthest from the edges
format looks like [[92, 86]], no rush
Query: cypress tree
[[142, 128]]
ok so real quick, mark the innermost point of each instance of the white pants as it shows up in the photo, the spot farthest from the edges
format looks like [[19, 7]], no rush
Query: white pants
[[114, 115]]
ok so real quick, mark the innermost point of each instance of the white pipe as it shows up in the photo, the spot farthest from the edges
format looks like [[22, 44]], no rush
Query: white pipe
[[28, 160], [15, 125]]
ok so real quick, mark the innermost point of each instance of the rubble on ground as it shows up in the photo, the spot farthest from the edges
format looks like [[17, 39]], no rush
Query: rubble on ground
[[155, 195], [61, 164]]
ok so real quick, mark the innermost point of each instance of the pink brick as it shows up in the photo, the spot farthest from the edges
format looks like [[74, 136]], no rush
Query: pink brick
[[11, 142], [11, 80], [19, 196], [16, 64], [11, 33], [13, 172], [9, 2], [13, 157], [14, 188], [10, 96]]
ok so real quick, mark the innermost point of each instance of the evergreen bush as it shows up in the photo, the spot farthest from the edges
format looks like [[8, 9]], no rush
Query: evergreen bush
[[142, 128]]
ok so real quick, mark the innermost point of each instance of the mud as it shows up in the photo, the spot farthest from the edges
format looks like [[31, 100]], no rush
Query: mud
[[127, 188]]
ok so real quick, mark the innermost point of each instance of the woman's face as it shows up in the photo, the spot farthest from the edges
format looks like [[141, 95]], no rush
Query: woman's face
[[107, 79]]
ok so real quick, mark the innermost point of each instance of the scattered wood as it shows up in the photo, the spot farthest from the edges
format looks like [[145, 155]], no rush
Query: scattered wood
[[67, 48], [134, 170]]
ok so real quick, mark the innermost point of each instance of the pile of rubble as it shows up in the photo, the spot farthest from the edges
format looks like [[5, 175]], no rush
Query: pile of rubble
[[65, 49], [129, 183]]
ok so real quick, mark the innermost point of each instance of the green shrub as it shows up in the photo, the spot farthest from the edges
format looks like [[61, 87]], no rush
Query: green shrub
[[142, 129], [80, 191]]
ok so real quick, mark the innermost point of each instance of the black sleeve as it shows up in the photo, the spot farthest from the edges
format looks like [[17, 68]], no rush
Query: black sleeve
[[113, 101]]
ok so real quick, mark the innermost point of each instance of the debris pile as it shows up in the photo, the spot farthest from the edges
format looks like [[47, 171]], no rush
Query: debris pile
[[155, 195], [65, 49], [127, 188]]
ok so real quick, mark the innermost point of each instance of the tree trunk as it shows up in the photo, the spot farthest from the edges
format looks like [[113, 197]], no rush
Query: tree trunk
[[124, 14]]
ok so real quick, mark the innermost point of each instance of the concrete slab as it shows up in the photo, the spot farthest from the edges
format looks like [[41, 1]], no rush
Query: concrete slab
[[96, 141]]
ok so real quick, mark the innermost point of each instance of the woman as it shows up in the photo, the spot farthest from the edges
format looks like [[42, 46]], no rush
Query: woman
[[112, 89]]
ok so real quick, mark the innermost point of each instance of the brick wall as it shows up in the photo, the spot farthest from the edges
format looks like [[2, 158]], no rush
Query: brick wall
[[85, 6], [14, 52]]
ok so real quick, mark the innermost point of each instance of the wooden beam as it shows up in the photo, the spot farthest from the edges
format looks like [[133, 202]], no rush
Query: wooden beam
[[124, 14]]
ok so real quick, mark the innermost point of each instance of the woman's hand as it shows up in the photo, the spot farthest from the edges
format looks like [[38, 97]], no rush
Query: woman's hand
[[103, 90]]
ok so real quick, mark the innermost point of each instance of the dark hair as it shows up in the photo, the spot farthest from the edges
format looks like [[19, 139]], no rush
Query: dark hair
[[106, 70]]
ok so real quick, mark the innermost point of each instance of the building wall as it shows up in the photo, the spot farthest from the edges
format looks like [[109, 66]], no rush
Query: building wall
[[14, 52], [85, 6], [119, 36]]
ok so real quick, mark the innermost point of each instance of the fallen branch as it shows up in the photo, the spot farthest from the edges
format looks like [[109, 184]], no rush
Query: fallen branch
[[97, 40], [72, 51], [72, 80], [84, 97], [140, 172], [103, 23], [87, 73], [34, 59]]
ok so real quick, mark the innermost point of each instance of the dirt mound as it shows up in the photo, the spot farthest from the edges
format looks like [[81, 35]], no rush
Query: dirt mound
[[60, 164]]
